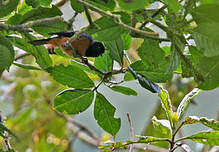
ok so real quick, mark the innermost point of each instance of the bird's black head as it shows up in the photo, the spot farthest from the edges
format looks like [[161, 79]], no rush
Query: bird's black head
[[96, 49]]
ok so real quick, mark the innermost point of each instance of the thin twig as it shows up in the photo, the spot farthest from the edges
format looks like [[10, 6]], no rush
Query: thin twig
[[87, 13], [131, 148]]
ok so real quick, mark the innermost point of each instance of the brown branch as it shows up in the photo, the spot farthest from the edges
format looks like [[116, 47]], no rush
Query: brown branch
[[131, 147], [87, 13]]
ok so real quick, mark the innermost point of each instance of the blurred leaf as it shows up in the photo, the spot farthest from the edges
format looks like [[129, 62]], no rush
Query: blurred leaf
[[166, 104], [156, 74], [73, 101], [6, 53], [128, 76], [104, 114], [124, 90], [116, 48], [209, 68], [174, 5], [104, 62], [131, 5], [108, 30], [154, 88], [7, 7], [77, 6], [26, 66], [45, 2], [3, 128], [71, 76], [186, 101], [208, 138], [162, 123], [51, 26]]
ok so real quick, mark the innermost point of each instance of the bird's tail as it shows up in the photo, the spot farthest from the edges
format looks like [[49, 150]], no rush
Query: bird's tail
[[40, 42]]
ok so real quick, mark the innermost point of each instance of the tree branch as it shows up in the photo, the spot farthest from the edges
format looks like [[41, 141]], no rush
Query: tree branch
[[117, 20], [87, 13]]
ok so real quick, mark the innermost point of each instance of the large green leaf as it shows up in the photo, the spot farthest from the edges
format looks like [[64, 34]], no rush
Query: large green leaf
[[206, 37], [73, 101], [51, 26], [124, 90], [155, 64], [116, 48], [77, 6], [6, 53], [71, 76], [7, 7], [133, 4], [109, 5], [157, 74], [174, 5], [209, 68], [107, 30], [186, 101], [104, 114], [206, 33], [208, 138], [104, 62], [37, 13], [166, 104]]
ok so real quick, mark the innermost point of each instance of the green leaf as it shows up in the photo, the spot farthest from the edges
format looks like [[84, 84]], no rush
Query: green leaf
[[208, 138], [128, 76], [77, 6], [51, 26], [206, 38], [206, 13], [6, 7], [156, 74], [210, 123], [124, 16], [209, 68], [104, 62], [33, 3], [131, 5], [6, 53], [116, 48], [154, 88], [108, 30], [124, 90], [149, 139], [127, 40], [109, 5], [174, 5], [191, 120], [39, 52], [26, 66], [166, 104], [163, 124], [186, 101], [155, 64], [82, 66], [104, 114], [39, 13], [71, 76], [73, 101]]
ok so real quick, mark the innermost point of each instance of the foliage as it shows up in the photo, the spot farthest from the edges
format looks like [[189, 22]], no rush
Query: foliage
[[120, 24]]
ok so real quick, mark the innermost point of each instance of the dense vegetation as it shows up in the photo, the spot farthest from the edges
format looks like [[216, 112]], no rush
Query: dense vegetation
[[46, 89]]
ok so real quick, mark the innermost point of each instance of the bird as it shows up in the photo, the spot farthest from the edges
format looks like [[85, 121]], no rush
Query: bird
[[84, 45]]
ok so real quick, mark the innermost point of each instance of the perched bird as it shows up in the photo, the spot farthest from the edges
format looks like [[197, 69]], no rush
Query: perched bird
[[84, 45]]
